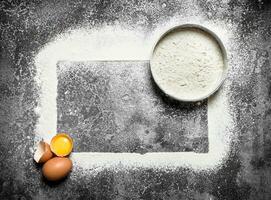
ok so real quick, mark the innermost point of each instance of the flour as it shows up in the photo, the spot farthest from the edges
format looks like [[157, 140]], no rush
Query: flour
[[117, 43], [79, 45], [187, 64]]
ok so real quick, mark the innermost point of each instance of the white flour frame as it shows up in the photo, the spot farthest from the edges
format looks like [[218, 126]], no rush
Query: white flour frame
[[74, 46]]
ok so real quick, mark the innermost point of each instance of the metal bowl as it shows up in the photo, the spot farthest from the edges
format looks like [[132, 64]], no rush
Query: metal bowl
[[224, 54]]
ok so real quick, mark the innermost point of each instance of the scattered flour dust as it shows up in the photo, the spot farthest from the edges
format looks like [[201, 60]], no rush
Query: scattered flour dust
[[187, 63], [117, 43]]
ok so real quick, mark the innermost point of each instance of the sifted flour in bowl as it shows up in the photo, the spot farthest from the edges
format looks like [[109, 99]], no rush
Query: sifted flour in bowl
[[187, 64]]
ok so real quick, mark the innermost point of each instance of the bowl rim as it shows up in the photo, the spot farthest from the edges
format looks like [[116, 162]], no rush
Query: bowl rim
[[224, 54]]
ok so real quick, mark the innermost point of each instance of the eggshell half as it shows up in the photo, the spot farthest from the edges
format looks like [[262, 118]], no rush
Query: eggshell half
[[57, 168], [61, 144], [43, 152]]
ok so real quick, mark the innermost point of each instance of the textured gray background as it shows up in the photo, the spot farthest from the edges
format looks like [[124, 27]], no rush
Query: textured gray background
[[27, 25], [114, 106]]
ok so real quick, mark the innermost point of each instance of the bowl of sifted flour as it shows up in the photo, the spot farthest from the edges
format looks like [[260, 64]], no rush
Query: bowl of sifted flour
[[189, 62]]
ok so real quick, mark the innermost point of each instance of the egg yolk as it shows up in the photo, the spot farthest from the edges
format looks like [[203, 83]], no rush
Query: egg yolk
[[61, 145]]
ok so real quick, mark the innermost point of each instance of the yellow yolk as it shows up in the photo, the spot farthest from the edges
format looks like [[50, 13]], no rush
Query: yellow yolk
[[61, 144]]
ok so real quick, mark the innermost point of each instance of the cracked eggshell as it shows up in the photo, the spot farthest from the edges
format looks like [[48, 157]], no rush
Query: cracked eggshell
[[43, 152]]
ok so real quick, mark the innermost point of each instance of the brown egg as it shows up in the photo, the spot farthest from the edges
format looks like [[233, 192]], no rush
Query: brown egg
[[43, 152], [57, 168]]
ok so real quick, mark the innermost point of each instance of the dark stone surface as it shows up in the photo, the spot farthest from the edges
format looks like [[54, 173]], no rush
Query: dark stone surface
[[26, 26], [114, 106]]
